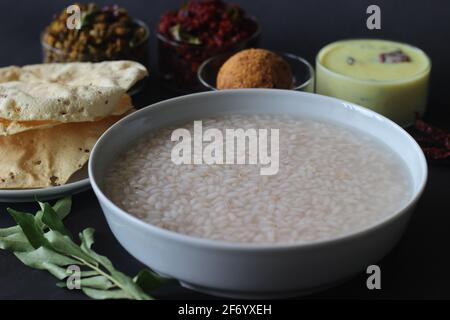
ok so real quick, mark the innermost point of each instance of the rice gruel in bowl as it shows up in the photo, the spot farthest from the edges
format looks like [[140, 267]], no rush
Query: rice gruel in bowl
[[332, 181]]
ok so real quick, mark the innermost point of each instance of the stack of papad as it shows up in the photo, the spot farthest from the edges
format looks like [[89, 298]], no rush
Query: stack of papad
[[51, 115]]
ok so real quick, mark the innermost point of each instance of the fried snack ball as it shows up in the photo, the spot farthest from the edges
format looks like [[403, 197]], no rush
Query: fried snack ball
[[255, 68]]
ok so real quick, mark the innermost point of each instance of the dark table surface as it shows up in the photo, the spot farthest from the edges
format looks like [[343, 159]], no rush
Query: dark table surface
[[418, 266]]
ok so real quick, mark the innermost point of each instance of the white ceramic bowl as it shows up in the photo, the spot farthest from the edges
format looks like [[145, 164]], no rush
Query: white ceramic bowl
[[249, 270]]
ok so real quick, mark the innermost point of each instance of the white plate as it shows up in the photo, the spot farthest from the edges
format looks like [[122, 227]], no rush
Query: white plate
[[77, 183]]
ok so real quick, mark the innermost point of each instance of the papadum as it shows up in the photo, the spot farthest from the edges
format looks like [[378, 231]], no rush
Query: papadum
[[48, 157]]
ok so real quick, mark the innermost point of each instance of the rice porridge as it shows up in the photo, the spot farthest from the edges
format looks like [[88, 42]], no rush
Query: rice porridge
[[331, 181]]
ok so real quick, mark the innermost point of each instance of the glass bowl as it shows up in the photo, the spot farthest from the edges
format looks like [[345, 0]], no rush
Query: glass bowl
[[401, 100], [178, 62], [302, 71], [138, 53]]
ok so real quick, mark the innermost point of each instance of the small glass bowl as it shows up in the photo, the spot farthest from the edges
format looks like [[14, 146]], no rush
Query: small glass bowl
[[302, 71], [400, 100], [138, 53], [178, 62]]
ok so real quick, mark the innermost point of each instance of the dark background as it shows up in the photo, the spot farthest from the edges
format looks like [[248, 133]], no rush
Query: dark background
[[417, 268]]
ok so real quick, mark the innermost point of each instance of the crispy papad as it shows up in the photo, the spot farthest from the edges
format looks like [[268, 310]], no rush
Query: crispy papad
[[65, 92], [10, 127], [28, 101], [48, 157], [123, 73]]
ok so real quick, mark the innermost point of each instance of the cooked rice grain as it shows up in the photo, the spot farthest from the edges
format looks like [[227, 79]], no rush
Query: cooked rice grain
[[331, 181]]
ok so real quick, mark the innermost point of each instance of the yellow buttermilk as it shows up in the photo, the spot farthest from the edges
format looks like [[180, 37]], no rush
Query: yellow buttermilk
[[353, 70]]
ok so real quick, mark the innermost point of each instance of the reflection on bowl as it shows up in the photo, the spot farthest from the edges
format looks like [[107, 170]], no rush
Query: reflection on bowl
[[243, 269], [302, 71]]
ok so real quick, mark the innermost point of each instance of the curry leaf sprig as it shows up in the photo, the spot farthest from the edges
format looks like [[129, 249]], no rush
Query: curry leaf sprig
[[41, 241]]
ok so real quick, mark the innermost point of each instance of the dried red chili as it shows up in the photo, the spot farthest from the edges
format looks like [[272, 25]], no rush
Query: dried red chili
[[437, 135], [435, 142], [436, 153]]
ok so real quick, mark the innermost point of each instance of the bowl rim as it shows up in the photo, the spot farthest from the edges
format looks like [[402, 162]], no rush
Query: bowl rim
[[168, 235], [419, 74], [293, 56]]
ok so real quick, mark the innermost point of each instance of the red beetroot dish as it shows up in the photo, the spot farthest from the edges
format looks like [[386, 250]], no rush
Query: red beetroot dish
[[197, 31]]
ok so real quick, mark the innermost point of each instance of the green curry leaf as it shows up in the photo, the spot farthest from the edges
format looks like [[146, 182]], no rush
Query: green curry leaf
[[41, 241], [30, 228]]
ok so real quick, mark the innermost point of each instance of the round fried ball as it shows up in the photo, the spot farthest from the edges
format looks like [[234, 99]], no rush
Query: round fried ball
[[255, 68]]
